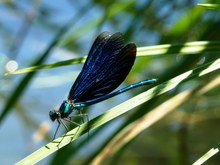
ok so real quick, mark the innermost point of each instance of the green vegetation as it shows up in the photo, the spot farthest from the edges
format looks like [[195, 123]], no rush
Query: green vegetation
[[172, 122]]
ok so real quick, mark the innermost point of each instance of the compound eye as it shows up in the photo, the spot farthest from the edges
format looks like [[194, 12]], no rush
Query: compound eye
[[53, 115]]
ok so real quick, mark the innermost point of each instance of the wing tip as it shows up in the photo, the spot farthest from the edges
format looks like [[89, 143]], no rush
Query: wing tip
[[131, 48]]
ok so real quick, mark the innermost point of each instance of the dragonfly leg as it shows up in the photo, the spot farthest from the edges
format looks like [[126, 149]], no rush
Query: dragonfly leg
[[64, 125], [80, 115], [72, 122], [87, 118], [56, 129]]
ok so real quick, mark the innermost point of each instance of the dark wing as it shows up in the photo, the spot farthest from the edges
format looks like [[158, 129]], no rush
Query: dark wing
[[106, 67], [116, 73]]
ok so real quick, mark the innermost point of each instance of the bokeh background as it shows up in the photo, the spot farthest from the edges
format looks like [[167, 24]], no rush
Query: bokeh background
[[27, 29]]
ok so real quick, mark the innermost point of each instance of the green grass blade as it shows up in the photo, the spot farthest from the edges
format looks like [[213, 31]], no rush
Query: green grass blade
[[157, 113], [210, 6], [49, 66], [208, 155], [119, 110], [196, 47], [187, 48]]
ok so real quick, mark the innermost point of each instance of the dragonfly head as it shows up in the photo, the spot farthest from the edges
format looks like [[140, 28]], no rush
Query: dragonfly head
[[64, 111], [54, 114]]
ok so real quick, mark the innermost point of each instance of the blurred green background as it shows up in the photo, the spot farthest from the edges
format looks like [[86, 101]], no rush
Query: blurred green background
[[30, 35]]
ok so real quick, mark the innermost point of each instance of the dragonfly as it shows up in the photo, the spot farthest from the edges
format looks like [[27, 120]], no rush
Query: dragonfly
[[107, 65]]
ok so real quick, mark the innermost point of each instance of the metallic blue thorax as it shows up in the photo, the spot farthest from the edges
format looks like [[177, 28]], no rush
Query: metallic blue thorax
[[66, 109]]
